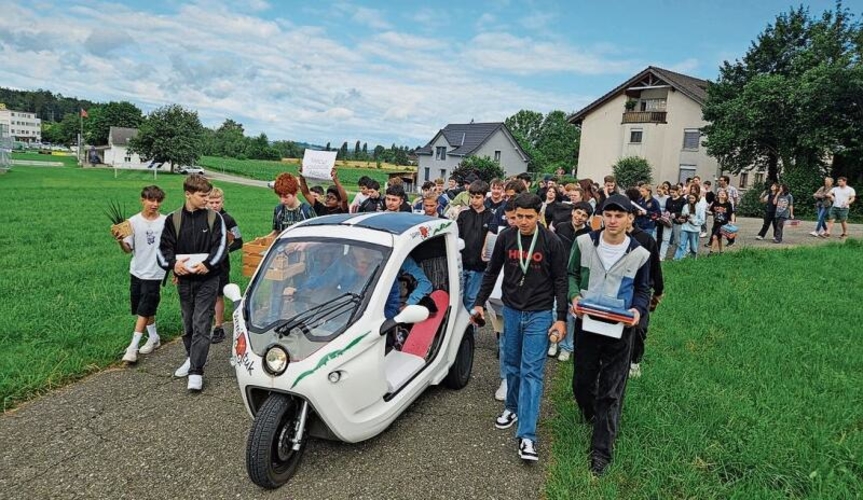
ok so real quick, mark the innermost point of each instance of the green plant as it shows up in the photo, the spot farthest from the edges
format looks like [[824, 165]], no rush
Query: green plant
[[484, 167], [116, 212], [750, 203], [631, 170], [630, 104]]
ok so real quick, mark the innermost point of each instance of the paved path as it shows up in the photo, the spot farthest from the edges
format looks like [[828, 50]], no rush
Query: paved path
[[137, 433]]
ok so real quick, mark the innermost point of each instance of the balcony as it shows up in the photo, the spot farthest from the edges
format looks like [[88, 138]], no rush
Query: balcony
[[644, 117]]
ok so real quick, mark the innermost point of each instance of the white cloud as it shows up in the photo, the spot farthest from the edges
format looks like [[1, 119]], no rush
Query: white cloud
[[686, 66], [537, 20], [486, 22]]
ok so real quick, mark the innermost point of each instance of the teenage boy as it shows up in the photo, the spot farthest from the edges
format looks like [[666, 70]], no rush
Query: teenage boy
[[609, 188], [674, 206], [335, 201], [360, 197], [531, 259], [374, 202], [606, 262], [145, 274], [290, 209], [842, 196], [428, 189], [496, 200], [580, 215], [395, 200], [235, 242], [454, 188], [473, 226], [431, 207], [200, 231]]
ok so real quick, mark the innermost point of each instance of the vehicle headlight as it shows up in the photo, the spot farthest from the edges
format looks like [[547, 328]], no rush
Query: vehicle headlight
[[276, 360]]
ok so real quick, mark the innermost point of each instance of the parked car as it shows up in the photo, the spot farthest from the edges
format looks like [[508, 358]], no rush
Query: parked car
[[186, 170]]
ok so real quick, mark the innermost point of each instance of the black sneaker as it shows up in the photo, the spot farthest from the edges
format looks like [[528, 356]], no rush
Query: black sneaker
[[527, 450], [731, 243], [598, 466], [218, 335], [505, 420]]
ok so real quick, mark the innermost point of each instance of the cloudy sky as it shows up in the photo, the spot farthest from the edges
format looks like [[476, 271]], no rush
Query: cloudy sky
[[376, 71]]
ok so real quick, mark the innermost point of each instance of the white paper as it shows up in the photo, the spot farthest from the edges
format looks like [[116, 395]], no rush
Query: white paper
[[318, 164], [194, 259], [613, 330]]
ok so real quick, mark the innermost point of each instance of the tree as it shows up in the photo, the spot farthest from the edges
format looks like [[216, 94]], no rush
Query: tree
[[357, 150], [169, 134], [549, 140], [631, 170], [378, 152], [101, 118], [484, 167], [259, 148], [768, 110], [230, 140], [63, 132], [343, 151]]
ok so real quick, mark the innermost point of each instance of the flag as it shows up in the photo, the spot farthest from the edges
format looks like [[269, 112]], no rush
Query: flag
[[84, 113]]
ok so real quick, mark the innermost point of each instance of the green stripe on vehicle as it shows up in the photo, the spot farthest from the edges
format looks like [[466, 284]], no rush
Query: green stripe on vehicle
[[326, 359]]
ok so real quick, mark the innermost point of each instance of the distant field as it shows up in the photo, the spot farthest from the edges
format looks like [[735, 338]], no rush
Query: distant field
[[66, 160], [349, 172]]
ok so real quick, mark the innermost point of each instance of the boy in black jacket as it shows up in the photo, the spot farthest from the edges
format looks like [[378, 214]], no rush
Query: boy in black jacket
[[201, 231], [473, 226], [532, 258]]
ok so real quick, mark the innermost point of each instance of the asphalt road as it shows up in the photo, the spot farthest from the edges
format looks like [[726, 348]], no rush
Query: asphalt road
[[137, 433]]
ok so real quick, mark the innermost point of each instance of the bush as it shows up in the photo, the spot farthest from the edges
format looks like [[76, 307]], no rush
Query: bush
[[484, 167], [631, 170], [750, 203]]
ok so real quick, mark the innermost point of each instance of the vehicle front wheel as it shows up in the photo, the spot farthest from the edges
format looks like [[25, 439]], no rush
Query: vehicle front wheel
[[459, 372], [270, 458]]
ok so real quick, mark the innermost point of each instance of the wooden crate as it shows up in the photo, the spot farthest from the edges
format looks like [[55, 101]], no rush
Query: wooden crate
[[253, 253]]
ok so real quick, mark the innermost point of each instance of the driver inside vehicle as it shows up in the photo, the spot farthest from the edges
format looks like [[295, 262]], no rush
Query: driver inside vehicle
[[338, 277]]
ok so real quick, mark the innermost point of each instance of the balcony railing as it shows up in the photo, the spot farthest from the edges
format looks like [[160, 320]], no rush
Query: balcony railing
[[644, 117]]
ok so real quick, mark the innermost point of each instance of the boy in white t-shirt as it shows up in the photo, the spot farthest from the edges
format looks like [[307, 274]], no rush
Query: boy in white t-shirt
[[842, 196], [146, 275]]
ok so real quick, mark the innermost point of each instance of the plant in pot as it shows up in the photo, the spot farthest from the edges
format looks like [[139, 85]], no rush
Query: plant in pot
[[117, 214], [630, 104]]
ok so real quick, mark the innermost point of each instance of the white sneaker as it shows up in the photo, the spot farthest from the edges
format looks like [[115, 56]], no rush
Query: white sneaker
[[505, 420], [703, 234], [759, 237], [183, 370], [564, 356], [634, 370], [500, 393], [131, 355], [552, 350], [527, 450], [814, 233], [151, 345], [196, 382]]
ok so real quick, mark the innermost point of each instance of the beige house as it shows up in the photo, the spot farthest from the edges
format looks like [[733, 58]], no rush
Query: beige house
[[457, 141], [656, 115], [116, 153]]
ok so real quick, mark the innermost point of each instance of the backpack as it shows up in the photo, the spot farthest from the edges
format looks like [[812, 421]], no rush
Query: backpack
[[306, 212], [177, 216]]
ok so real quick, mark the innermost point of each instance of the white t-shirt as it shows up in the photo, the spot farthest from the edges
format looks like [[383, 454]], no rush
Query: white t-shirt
[[358, 200], [842, 195], [609, 254], [144, 242]]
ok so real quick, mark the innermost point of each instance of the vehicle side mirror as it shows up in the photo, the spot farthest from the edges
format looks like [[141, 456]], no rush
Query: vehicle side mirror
[[232, 292], [412, 314]]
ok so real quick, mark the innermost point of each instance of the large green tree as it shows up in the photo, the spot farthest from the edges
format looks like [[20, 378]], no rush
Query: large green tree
[[63, 132], [794, 100], [101, 118], [170, 134], [549, 140]]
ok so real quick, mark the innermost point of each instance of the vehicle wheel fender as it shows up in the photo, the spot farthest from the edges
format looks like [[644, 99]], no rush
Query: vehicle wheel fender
[[459, 372]]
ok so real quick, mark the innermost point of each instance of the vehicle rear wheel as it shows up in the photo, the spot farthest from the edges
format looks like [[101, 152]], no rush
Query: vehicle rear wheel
[[459, 372], [270, 458]]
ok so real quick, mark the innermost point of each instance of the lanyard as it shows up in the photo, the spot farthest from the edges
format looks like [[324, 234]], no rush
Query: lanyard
[[524, 263]]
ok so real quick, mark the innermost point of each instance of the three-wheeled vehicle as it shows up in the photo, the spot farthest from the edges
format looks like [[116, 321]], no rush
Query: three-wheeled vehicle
[[314, 350]]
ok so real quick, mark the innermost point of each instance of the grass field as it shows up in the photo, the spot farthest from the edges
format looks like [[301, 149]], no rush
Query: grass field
[[752, 386], [64, 294], [268, 170], [67, 160]]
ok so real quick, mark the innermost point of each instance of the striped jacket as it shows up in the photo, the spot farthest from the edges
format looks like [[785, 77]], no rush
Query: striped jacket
[[628, 279]]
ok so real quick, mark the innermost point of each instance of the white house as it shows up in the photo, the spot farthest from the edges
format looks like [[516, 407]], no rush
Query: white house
[[116, 153], [662, 123], [22, 126], [457, 141]]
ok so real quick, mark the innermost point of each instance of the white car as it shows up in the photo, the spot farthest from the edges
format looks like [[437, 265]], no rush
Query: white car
[[187, 170]]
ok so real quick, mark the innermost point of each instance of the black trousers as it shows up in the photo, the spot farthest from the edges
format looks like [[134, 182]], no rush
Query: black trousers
[[197, 303], [768, 220], [599, 383]]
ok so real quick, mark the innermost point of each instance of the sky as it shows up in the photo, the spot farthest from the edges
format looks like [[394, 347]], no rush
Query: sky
[[376, 71]]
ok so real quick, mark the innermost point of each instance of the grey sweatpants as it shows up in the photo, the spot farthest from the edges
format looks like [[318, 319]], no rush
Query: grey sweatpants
[[197, 303]]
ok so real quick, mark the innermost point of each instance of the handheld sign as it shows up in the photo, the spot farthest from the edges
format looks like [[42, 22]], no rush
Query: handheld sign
[[318, 164]]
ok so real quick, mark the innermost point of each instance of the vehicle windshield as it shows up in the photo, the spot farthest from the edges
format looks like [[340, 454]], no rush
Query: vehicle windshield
[[308, 292]]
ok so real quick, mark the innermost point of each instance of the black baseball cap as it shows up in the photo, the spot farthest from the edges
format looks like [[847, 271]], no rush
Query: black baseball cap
[[617, 202]]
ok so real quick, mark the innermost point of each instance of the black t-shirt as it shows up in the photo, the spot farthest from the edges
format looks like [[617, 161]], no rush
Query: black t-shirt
[[322, 209], [721, 212]]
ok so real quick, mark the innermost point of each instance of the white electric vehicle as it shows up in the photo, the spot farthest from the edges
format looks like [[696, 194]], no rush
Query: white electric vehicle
[[314, 351]]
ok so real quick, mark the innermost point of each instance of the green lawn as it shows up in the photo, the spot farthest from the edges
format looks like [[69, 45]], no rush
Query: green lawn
[[752, 386], [268, 170], [66, 160], [64, 294]]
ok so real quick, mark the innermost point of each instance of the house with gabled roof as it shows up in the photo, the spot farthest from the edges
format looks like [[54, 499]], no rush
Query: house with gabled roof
[[656, 115], [457, 141], [116, 153]]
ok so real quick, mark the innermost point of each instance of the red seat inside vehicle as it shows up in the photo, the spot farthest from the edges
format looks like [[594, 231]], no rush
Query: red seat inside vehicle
[[422, 335]]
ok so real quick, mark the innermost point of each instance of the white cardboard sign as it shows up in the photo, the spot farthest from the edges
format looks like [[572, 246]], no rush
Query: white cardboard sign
[[318, 164]]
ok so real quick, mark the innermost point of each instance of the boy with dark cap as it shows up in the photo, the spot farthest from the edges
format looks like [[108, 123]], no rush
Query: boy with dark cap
[[335, 201], [606, 264]]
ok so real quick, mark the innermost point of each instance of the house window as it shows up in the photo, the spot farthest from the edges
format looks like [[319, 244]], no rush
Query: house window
[[691, 138], [653, 105], [744, 179], [686, 172], [427, 173], [635, 135], [759, 179], [497, 156], [443, 174], [440, 153]]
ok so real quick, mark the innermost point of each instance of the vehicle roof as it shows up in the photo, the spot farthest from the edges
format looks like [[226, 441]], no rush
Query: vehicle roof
[[390, 222]]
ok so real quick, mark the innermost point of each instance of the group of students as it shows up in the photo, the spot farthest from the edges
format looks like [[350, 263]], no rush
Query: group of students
[[193, 243]]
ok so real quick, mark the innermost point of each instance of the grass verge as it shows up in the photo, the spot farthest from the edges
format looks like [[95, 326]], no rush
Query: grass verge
[[752, 386]]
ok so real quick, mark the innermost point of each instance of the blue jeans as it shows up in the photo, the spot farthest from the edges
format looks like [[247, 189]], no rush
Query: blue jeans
[[566, 343], [688, 242], [525, 349], [472, 282], [821, 225]]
